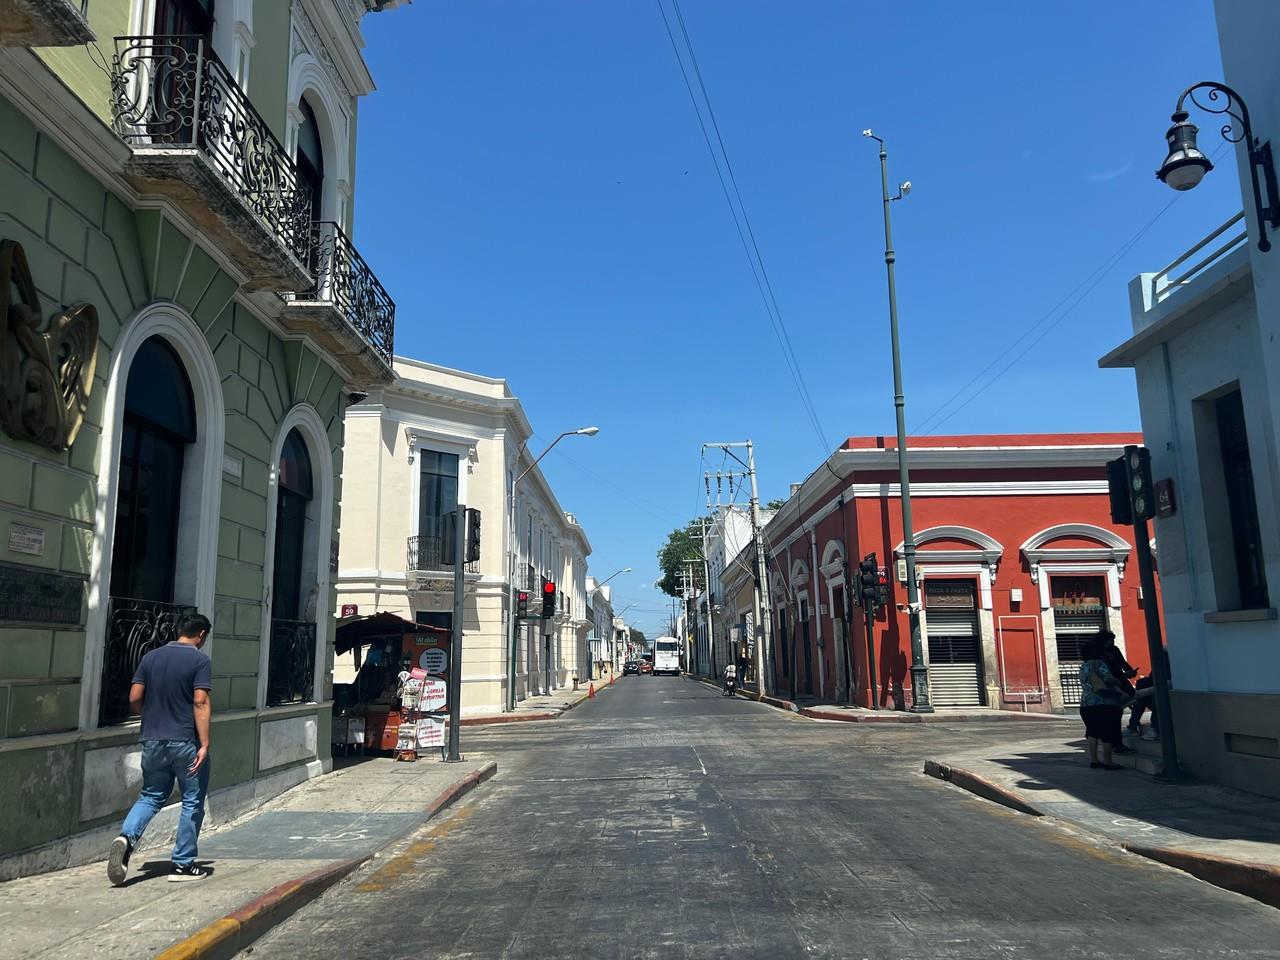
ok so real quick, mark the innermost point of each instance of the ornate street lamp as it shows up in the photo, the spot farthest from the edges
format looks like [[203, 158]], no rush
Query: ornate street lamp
[[1185, 166]]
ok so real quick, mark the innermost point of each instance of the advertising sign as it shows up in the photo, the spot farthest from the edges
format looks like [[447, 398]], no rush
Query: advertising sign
[[948, 594], [434, 660], [430, 733], [434, 695]]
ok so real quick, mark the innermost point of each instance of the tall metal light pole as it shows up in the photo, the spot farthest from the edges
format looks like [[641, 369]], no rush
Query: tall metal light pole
[[919, 672], [513, 635]]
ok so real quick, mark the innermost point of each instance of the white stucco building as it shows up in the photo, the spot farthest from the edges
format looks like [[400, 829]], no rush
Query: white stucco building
[[1206, 354], [414, 449]]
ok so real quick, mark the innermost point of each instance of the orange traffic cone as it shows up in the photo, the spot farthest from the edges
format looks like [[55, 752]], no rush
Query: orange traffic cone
[[591, 692], [613, 678]]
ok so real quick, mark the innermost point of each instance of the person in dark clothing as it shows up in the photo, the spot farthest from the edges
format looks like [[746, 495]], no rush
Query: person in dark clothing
[[1102, 702], [1120, 668], [171, 691]]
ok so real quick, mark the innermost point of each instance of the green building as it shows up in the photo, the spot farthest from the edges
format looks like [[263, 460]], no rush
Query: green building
[[183, 320]]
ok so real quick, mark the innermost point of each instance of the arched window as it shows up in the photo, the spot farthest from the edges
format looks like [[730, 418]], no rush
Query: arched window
[[311, 158], [159, 424], [291, 658], [159, 421], [294, 492]]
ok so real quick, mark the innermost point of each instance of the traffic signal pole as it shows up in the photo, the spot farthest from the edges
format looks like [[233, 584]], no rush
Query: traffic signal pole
[[453, 690]]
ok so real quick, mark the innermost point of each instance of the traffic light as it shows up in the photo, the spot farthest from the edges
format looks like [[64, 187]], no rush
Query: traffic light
[[1137, 461], [1129, 486], [522, 604], [548, 600], [882, 586], [1118, 489], [868, 581], [473, 535]]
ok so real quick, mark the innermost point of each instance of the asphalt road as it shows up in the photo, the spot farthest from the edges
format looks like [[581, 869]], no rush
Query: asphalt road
[[662, 820]]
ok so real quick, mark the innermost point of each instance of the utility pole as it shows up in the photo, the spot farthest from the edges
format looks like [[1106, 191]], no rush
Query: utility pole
[[764, 652], [453, 688], [919, 672], [706, 579]]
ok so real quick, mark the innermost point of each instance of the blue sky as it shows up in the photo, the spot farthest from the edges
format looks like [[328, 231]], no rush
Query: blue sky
[[535, 192]]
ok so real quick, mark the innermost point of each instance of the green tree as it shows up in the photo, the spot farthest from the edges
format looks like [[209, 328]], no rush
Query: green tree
[[776, 503], [637, 636], [683, 543]]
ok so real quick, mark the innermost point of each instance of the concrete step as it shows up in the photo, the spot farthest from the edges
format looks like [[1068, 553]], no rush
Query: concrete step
[[1146, 757]]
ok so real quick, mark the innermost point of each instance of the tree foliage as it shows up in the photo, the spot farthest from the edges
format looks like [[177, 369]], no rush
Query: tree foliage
[[683, 543], [776, 503]]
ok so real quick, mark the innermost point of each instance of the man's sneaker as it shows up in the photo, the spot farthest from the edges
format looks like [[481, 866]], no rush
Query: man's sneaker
[[1150, 734], [1133, 731], [118, 859], [190, 871]]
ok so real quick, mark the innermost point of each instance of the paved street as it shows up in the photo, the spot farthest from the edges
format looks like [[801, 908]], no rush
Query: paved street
[[662, 820]]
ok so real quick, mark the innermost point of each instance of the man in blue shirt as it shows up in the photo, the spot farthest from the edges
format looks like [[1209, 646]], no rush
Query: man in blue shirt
[[171, 691]]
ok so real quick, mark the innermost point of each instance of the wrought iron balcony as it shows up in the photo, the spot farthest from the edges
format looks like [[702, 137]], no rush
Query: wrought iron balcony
[[345, 308], [44, 23], [134, 628], [291, 662], [433, 552], [197, 139]]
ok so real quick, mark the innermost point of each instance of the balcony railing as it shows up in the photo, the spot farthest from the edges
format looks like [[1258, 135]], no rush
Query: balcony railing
[[343, 279], [433, 552], [291, 662], [134, 628], [1183, 270], [174, 92]]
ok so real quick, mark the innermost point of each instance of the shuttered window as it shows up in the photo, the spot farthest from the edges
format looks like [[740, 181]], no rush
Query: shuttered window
[[1078, 614], [951, 629]]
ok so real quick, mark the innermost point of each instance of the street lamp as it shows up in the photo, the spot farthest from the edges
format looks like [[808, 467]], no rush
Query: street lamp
[[612, 575], [511, 557], [1185, 166], [919, 672]]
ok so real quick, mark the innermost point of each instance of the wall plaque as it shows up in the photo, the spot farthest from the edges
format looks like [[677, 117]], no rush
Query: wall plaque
[[38, 596], [24, 538]]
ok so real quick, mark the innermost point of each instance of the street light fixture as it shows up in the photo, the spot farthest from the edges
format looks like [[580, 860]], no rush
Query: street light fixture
[[511, 557], [612, 575], [919, 672], [1185, 165]]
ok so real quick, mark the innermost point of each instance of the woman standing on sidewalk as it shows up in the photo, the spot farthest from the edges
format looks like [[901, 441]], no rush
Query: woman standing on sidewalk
[[1102, 701]]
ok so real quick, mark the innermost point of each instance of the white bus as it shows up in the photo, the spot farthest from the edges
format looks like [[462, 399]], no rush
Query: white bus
[[666, 655]]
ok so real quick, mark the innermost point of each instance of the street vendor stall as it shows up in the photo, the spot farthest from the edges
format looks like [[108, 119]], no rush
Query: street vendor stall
[[368, 712]]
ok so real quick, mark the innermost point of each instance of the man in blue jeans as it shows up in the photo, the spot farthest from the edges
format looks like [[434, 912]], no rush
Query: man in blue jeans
[[171, 691]]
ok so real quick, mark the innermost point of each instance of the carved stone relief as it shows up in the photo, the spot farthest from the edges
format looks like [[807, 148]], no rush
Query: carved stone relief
[[46, 370]]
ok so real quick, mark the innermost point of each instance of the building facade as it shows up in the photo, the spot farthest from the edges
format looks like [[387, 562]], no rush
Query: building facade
[[183, 320], [601, 637], [429, 440], [1205, 354], [1017, 564]]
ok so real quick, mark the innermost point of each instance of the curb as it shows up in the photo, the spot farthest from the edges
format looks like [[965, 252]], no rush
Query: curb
[[979, 786], [1259, 881], [754, 697], [1256, 880], [889, 716], [487, 719], [225, 937]]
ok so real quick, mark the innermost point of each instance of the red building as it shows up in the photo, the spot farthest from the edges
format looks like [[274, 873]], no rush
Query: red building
[[1017, 560]]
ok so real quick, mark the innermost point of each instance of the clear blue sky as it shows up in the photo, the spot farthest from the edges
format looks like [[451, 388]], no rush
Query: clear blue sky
[[535, 192]]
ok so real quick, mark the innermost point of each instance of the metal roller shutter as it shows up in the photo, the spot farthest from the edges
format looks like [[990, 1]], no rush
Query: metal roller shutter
[[954, 675]]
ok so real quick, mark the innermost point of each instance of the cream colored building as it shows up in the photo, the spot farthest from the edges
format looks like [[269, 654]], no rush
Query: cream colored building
[[413, 450]]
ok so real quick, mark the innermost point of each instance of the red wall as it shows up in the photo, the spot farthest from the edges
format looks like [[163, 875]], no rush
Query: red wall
[[875, 524]]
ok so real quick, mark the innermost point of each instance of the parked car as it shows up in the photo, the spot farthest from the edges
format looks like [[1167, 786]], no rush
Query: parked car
[[631, 666], [644, 666]]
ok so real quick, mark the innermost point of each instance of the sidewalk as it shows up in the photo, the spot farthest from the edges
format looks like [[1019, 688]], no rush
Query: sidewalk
[[1223, 836], [546, 707], [818, 709], [266, 865]]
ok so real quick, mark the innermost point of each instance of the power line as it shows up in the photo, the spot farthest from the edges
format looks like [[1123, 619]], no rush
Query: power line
[[1083, 289], [758, 271]]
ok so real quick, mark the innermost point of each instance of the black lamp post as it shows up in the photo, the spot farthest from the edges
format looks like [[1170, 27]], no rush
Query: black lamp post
[[1185, 166]]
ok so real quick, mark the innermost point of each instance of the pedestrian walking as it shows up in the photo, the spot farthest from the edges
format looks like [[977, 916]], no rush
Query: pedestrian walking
[[171, 692], [1102, 702]]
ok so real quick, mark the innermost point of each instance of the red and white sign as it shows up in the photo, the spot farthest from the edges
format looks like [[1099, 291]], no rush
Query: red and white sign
[[430, 733], [350, 609], [434, 695]]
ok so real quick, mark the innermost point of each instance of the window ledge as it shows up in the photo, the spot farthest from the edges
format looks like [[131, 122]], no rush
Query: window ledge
[[1240, 616]]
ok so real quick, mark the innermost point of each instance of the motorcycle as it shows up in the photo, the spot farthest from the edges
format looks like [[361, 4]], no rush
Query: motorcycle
[[730, 686]]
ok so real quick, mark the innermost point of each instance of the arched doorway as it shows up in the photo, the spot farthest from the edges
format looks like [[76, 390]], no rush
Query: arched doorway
[[310, 158], [291, 664], [158, 426]]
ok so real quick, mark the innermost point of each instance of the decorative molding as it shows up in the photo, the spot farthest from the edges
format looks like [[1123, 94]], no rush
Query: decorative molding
[[46, 375], [979, 488], [308, 38], [1115, 549]]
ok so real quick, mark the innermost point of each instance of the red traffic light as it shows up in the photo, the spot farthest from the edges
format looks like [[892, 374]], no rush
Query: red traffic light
[[548, 588], [522, 597]]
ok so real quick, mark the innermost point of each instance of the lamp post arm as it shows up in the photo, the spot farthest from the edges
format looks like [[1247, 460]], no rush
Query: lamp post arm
[[541, 455]]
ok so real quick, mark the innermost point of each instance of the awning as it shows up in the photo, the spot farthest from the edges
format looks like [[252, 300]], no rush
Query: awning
[[355, 632]]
